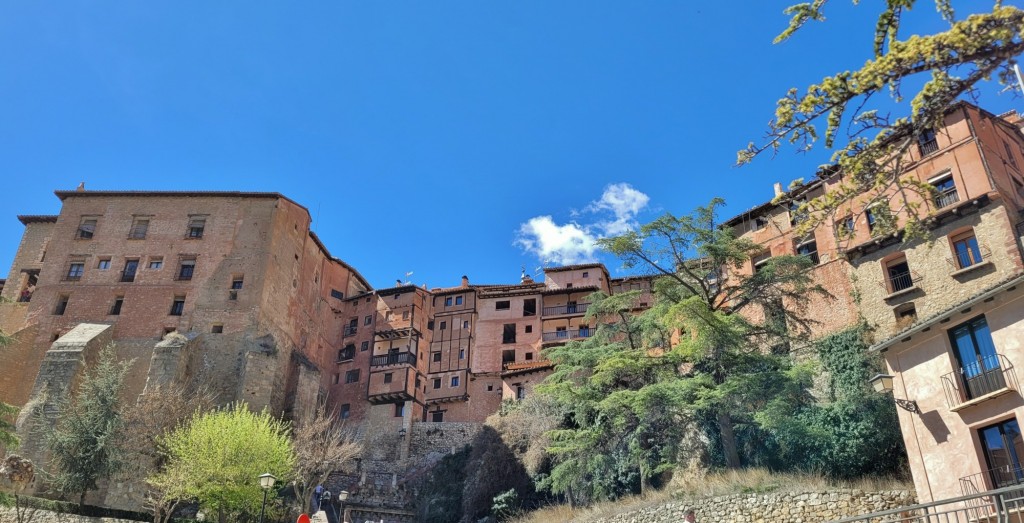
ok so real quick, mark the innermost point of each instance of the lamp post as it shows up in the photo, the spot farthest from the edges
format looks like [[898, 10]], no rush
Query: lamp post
[[342, 497], [266, 483]]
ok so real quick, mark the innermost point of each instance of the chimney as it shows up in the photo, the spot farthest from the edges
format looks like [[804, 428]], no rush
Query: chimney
[[778, 189], [525, 278], [465, 281], [398, 283], [80, 188]]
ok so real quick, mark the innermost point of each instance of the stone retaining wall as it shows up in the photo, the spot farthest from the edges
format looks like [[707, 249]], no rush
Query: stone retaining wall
[[788, 507], [45, 516]]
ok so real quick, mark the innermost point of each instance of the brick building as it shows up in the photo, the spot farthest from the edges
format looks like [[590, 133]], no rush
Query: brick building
[[944, 312]]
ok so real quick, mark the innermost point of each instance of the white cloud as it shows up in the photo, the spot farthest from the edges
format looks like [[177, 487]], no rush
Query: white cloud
[[575, 243], [559, 244], [624, 202]]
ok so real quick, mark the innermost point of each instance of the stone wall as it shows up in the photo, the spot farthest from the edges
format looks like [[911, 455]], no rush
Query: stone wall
[[45, 516], [787, 507]]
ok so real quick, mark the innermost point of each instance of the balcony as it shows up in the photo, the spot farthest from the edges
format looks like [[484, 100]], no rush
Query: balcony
[[394, 359], [349, 330], [567, 335], [928, 146], [946, 198], [901, 281], [577, 308], [999, 477], [346, 354], [976, 382]]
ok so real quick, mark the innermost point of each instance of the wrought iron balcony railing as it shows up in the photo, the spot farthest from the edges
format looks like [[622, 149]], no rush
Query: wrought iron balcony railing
[[946, 198], [901, 282], [974, 380], [349, 330]]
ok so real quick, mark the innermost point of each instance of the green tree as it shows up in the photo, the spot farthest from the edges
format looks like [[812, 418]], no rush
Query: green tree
[[217, 457], [85, 443], [948, 64], [634, 397]]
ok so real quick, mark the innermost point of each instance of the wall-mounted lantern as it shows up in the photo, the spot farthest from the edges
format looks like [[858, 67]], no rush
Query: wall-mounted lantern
[[882, 383]]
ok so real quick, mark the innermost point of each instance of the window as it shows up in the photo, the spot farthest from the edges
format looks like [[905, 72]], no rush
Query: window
[[1004, 449], [75, 271], [502, 305], [368, 319], [62, 305], [437, 416], [465, 324], [388, 376], [845, 227], [761, 261], [530, 307], [436, 357], [388, 316], [899, 275], [490, 387], [965, 249], [906, 315], [177, 306], [399, 410], [86, 228], [458, 300], [347, 353], [508, 356], [945, 190], [352, 376], [335, 293], [444, 325], [131, 266], [364, 346], [568, 285], [345, 410], [455, 381], [926, 142], [529, 356], [586, 274], [156, 263], [103, 264], [336, 378], [1009, 155], [437, 383], [520, 392], [528, 329], [976, 354], [796, 216], [508, 333], [405, 315], [448, 301], [139, 228], [196, 225], [430, 324], [115, 309], [810, 250], [760, 223], [186, 268], [462, 354], [237, 282], [218, 329]]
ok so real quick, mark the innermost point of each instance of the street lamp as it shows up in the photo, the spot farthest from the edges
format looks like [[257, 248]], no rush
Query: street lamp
[[882, 383], [342, 497], [266, 483]]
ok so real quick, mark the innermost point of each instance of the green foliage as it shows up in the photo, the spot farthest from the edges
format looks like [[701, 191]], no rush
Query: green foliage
[[217, 457], [505, 504], [8, 438], [632, 398], [856, 433], [872, 156], [85, 443]]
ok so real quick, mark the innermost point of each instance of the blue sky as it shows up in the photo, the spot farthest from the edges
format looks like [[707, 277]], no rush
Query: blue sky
[[477, 137]]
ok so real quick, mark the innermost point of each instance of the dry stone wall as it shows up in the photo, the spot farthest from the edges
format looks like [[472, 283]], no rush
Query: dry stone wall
[[45, 516], [788, 507]]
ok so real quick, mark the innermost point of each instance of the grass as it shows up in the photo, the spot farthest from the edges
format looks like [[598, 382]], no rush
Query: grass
[[746, 481]]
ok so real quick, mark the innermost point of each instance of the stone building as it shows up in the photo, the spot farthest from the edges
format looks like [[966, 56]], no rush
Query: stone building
[[943, 311]]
